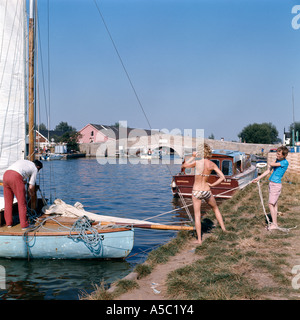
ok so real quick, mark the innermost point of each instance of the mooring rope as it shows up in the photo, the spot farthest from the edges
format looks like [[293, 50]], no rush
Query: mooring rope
[[189, 205], [267, 218]]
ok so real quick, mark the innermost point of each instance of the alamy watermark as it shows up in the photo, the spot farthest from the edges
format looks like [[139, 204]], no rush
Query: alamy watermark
[[296, 19], [135, 146], [2, 278], [296, 278]]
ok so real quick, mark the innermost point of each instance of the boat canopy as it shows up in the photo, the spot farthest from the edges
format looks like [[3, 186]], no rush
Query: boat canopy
[[236, 155]]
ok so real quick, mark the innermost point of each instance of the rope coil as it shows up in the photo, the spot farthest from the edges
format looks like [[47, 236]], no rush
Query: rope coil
[[85, 232]]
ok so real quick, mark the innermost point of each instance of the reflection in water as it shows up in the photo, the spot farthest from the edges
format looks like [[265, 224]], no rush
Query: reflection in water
[[53, 279]]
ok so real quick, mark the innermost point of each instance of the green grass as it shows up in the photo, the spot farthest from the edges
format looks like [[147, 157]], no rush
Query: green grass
[[246, 262]]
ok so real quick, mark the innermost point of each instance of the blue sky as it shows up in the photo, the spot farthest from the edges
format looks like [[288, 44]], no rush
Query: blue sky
[[195, 64]]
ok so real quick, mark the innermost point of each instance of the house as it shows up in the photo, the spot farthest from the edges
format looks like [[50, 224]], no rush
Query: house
[[53, 135], [45, 138], [40, 140], [98, 133]]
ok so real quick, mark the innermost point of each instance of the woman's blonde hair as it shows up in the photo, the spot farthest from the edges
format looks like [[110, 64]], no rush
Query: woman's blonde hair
[[204, 151]]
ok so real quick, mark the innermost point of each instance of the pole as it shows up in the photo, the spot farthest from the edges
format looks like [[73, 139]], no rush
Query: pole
[[31, 92], [31, 82], [293, 131], [150, 226]]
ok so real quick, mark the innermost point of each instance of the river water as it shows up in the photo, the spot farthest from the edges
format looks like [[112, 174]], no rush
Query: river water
[[123, 189]]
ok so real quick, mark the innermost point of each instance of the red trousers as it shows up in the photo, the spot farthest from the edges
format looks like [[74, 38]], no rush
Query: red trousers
[[13, 184]]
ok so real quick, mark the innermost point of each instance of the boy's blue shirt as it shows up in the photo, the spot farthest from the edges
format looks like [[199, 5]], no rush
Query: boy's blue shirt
[[278, 172]]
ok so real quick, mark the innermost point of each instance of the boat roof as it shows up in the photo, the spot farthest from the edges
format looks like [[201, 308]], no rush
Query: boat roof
[[236, 155]]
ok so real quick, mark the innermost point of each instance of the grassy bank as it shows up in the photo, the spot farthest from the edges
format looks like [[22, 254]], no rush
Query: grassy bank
[[158, 256], [247, 262]]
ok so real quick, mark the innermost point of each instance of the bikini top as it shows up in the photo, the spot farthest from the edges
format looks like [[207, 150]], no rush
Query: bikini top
[[203, 175]]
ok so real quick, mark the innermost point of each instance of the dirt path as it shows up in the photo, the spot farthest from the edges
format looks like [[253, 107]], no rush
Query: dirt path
[[153, 287]]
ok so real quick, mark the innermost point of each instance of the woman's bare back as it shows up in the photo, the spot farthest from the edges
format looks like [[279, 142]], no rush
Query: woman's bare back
[[203, 169]]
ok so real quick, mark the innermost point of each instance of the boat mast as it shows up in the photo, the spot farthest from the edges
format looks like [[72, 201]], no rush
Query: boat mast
[[31, 82]]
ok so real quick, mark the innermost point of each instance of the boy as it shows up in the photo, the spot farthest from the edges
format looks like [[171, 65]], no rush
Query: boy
[[279, 168]]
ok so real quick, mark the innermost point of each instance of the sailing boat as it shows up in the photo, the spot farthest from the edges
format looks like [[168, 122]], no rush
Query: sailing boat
[[60, 236], [51, 237]]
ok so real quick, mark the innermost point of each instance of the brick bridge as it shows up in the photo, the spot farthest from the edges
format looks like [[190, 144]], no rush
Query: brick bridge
[[172, 143]]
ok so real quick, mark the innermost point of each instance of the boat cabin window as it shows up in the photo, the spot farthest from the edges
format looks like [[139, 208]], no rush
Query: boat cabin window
[[217, 162], [227, 167], [239, 166]]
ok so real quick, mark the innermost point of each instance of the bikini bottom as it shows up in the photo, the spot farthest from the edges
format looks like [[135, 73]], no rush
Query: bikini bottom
[[205, 195]]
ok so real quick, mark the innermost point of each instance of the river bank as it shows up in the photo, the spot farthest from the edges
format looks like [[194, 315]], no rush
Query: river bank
[[245, 263]]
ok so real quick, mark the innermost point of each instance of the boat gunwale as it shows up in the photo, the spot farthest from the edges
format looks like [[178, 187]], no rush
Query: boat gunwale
[[40, 233]]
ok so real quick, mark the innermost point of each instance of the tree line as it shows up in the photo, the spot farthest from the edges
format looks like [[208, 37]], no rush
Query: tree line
[[265, 133]]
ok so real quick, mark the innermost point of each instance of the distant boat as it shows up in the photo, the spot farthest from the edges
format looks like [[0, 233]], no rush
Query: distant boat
[[51, 156], [146, 156], [236, 167]]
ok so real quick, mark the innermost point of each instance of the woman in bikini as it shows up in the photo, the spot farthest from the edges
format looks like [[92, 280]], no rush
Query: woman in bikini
[[201, 188]]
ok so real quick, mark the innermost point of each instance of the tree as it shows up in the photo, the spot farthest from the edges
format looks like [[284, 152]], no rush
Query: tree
[[41, 127], [70, 136], [260, 133], [295, 126], [64, 127], [71, 139]]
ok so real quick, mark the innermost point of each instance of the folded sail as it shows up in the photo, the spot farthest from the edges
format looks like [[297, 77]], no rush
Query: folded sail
[[12, 82]]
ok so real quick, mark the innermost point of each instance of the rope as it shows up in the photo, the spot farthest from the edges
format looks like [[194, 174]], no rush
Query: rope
[[189, 205], [219, 194], [185, 206], [161, 214], [83, 226], [262, 203], [268, 220]]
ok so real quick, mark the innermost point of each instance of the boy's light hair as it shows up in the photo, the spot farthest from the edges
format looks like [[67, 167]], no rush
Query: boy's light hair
[[284, 150]]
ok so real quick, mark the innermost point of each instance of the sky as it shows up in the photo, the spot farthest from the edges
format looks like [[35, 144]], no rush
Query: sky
[[217, 65]]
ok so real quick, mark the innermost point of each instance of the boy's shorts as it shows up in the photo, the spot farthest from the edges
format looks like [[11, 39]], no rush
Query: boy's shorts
[[274, 192]]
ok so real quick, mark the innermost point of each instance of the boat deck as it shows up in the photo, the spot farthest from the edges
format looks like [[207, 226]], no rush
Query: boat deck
[[54, 225]]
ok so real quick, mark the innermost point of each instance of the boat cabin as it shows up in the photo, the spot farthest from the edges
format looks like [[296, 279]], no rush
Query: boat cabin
[[230, 162]]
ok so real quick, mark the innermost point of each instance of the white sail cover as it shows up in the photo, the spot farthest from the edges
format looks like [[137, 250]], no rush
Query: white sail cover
[[12, 82]]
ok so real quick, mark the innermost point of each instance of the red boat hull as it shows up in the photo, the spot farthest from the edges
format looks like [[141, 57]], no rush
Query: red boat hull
[[184, 184]]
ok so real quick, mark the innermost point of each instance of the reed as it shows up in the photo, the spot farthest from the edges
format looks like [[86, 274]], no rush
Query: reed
[[99, 293]]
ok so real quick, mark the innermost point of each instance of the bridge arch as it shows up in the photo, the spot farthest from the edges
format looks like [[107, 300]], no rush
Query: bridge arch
[[179, 150]]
